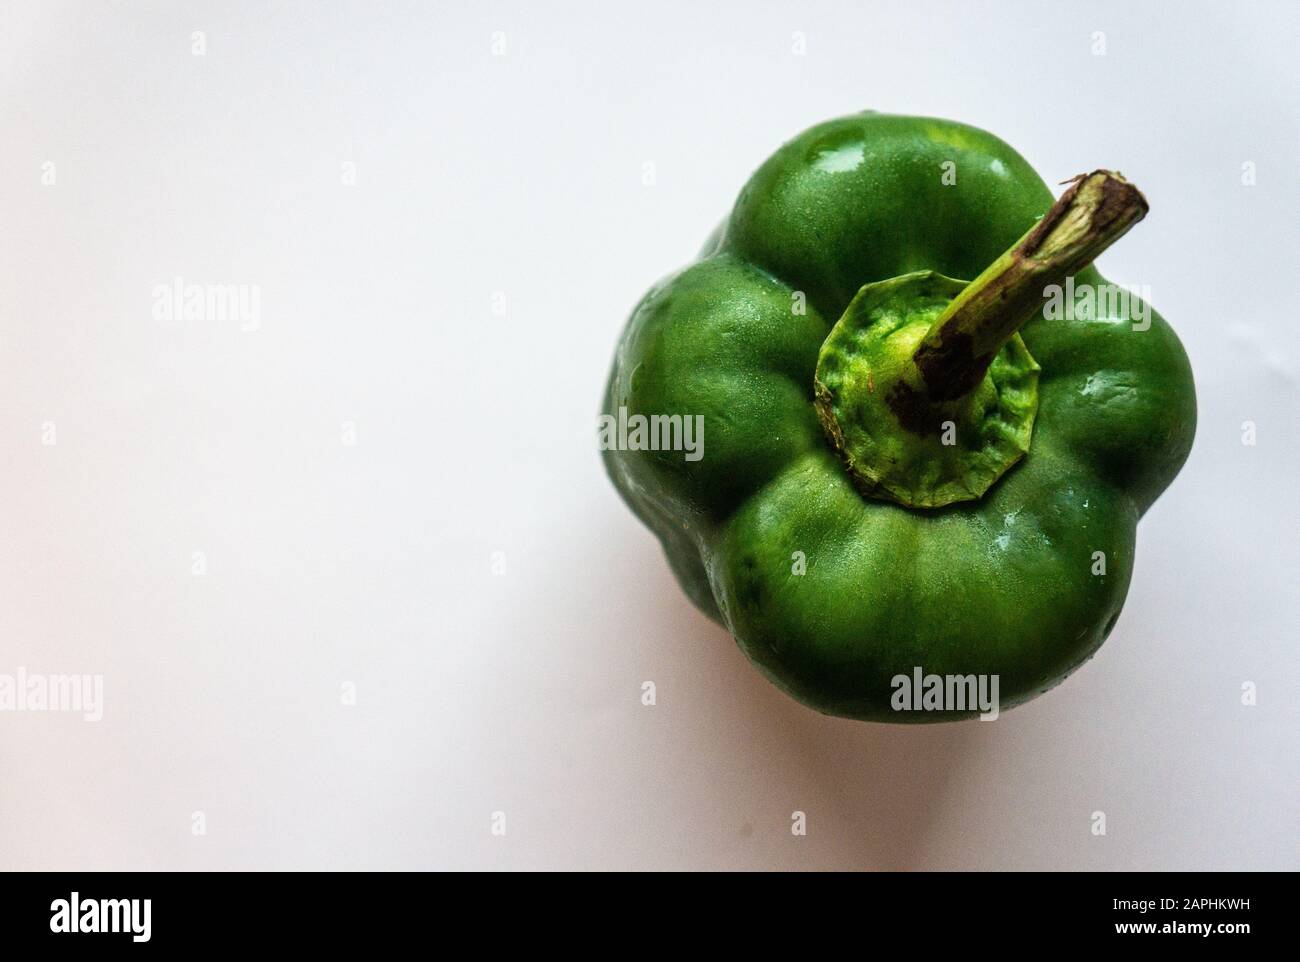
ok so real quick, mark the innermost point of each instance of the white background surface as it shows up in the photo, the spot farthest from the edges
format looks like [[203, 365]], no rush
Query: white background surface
[[371, 564]]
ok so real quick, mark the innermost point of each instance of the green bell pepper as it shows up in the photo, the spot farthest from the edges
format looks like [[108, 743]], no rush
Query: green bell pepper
[[897, 471]]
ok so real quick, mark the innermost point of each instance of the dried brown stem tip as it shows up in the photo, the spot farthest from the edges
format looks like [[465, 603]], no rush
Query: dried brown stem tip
[[1096, 210]]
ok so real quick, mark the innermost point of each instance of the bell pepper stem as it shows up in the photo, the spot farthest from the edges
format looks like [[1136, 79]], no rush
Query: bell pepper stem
[[1095, 211]]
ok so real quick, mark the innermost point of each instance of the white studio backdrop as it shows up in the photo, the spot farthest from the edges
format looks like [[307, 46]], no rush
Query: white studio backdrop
[[351, 571]]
